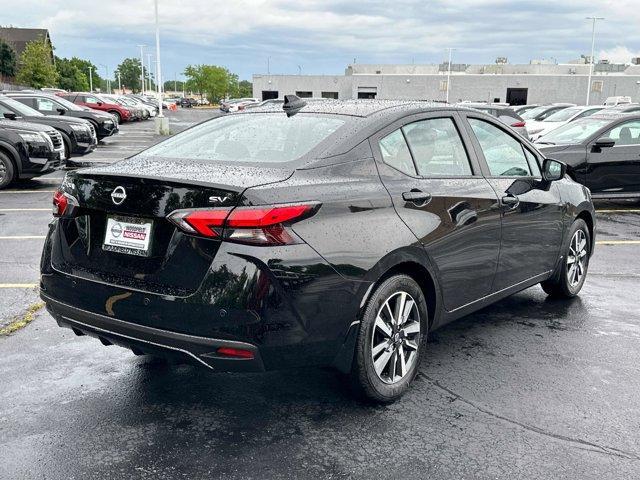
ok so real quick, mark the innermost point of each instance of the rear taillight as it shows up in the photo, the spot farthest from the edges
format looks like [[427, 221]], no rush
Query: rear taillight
[[235, 353], [63, 204], [518, 124], [252, 225]]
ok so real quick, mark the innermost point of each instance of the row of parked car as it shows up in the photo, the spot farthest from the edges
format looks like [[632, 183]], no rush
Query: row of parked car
[[41, 131], [599, 143]]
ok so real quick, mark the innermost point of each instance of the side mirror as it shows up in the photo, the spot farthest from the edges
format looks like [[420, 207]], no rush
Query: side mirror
[[61, 111], [99, 104], [604, 142], [553, 170], [10, 115]]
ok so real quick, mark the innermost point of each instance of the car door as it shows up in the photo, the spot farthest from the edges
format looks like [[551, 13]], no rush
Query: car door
[[531, 209], [431, 173], [616, 169]]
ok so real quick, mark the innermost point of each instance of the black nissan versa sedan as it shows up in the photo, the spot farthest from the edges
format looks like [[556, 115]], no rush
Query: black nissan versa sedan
[[333, 233], [601, 151]]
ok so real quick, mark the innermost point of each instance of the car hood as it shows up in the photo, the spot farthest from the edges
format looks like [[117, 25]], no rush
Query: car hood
[[57, 120], [551, 149], [26, 126]]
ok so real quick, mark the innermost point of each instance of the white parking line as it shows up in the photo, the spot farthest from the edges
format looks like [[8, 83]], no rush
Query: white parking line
[[631, 210], [617, 242], [27, 191], [25, 209], [18, 285], [23, 237]]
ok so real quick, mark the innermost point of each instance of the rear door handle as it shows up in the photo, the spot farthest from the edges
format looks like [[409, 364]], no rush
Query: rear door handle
[[510, 201], [417, 197]]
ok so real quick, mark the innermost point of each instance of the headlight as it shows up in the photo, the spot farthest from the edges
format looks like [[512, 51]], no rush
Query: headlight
[[80, 128], [108, 122], [33, 137]]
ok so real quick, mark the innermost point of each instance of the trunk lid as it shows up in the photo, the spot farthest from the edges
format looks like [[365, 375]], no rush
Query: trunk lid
[[176, 263]]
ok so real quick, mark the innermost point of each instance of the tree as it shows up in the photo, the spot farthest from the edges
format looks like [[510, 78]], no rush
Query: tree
[[171, 85], [35, 67], [70, 77], [245, 89], [129, 74], [214, 81], [7, 60], [83, 66]]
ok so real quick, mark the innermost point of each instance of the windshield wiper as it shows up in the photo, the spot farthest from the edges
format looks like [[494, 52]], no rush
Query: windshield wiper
[[544, 143]]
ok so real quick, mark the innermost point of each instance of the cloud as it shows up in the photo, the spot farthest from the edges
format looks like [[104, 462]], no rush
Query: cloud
[[325, 35], [618, 54]]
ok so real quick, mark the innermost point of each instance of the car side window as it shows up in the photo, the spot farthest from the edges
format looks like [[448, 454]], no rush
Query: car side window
[[437, 148], [91, 100], [627, 133], [45, 105], [395, 152], [533, 162], [503, 153]]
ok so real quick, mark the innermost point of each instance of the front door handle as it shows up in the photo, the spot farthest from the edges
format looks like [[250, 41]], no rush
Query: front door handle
[[510, 201], [417, 196]]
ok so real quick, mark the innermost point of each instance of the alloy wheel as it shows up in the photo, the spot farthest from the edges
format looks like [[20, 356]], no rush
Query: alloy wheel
[[577, 258], [3, 171], [396, 337]]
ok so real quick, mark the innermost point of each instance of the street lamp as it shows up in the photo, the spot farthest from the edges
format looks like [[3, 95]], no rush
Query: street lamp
[[593, 44], [148, 77], [106, 76], [90, 79], [119, 83], [162, 124], [141, 69], [449, 74]]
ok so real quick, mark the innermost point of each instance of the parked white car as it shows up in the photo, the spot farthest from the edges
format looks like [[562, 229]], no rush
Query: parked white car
[[539, 128], [613, 101]]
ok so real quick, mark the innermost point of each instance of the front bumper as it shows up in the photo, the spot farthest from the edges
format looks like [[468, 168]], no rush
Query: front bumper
[[147, 340]]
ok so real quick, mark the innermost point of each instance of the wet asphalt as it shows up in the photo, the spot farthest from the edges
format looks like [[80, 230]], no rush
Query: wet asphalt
[[527, 388]]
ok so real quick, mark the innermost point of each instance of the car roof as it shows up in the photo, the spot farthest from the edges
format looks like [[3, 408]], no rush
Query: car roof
[[613, 115], [362, 107]]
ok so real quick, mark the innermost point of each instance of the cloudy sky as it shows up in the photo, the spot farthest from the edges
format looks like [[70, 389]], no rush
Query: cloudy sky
[[323, 36]]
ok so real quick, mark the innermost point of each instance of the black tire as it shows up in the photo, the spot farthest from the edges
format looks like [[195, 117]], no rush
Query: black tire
[[7, 171], [563, 284], [118, 117], [67, 145], [364, 379]]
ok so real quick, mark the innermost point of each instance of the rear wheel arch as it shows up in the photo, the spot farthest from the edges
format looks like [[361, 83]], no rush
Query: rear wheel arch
[[416, 265]]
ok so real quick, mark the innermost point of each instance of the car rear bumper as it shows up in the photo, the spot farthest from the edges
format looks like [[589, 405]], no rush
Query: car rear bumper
[[147, 340]]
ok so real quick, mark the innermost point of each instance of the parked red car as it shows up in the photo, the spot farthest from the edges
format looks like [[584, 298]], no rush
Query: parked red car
[[96, 102]]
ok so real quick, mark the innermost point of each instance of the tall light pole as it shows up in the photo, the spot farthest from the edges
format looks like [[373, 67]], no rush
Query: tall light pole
[[141, 68], [449, 74], [593, 46], [106, 76], [268, 65], [90, 79], [149, 55], [119, 83], [162, 125]]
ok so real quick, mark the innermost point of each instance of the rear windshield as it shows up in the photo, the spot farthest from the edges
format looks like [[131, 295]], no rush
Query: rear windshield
[[255, 138]]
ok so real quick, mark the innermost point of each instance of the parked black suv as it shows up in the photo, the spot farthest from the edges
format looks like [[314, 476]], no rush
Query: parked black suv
[[78, 135], [48, 104], [27, 150], [333, 233]]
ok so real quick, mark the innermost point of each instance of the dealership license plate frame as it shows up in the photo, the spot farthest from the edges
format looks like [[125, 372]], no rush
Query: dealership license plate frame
[[133, 249]]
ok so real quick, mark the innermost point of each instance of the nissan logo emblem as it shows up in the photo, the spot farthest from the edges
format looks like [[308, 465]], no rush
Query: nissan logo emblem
[[118, 195]]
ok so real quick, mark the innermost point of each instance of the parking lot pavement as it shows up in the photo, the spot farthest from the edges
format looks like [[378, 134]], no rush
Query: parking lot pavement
[[526, 388]]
